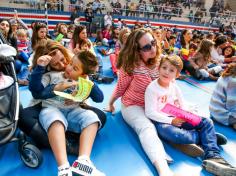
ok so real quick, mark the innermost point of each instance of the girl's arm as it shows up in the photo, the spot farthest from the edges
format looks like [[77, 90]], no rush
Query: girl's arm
[[123, 83]]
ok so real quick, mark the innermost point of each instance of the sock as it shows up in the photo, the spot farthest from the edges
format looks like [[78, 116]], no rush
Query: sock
[[64, 166], [84, 157]]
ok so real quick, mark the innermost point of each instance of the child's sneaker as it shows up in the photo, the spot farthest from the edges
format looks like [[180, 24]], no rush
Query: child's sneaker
[[65, 172], [84, 167], [218, 166]]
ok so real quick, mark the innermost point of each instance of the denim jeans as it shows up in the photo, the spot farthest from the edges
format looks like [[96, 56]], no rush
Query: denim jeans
[[203, 134]]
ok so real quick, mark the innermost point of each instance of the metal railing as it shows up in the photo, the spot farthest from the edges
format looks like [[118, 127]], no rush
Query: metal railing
[[159, 11]]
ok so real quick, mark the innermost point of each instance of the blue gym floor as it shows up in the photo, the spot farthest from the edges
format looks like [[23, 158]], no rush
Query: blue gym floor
[[117, 151]]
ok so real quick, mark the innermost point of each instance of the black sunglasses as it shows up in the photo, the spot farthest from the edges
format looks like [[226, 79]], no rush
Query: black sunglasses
[[149, 46]]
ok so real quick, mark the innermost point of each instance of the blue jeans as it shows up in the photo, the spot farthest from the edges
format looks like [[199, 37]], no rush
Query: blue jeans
[[203, 134]]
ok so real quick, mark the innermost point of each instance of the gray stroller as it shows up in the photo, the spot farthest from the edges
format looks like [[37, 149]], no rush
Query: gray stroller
[[9, 109]]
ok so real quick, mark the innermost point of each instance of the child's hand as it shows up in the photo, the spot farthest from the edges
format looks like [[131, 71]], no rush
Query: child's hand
[[44, 60], [177, 122], [64, 85], [76, 50], [110, 108]]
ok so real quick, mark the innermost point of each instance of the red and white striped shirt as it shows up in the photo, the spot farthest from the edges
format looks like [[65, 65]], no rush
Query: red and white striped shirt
[[131, 88]]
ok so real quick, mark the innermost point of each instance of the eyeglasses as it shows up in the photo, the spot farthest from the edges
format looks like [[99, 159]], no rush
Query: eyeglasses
[[149, 46]]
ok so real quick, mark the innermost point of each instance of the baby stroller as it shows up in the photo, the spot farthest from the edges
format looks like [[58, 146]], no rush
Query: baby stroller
[[9, 109]]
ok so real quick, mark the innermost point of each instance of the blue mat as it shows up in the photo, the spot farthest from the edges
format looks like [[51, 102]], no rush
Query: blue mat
[[117, 151]]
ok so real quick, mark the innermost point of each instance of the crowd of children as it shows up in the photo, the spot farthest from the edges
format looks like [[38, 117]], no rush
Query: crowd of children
[[146, 60]]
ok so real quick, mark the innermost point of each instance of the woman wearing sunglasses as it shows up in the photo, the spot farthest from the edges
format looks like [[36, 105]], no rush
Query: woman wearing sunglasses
[[138, 62]]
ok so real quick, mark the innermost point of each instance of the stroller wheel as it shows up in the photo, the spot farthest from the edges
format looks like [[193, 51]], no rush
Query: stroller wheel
[[31, 155]]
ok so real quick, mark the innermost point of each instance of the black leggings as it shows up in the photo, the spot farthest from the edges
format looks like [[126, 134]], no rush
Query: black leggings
[[29, 123]]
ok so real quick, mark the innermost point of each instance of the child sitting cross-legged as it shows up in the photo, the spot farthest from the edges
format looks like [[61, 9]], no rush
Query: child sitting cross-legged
[[60, 114], [164, 91]]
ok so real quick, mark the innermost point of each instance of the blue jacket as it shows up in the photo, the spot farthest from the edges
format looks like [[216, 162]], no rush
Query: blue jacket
[[38, 91]]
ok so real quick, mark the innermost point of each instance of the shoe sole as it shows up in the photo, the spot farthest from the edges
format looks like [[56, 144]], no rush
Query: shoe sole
[[189, 149], [76, 174], [218, 169]]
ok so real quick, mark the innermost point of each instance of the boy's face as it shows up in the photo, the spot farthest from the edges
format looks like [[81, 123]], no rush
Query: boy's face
[[167, 73], [74, 70]]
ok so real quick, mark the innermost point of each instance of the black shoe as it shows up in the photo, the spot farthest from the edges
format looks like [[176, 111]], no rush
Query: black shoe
[[218, 166], [105, 80], [221, 139]]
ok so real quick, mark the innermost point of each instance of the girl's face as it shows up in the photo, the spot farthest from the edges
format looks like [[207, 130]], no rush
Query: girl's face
[[58, 61], [69, 35], [83, 34], [5, 26], [74, 70], [147, 47], [63, 29], [42, 32], [188, 36], [167, 73], [228, 51]]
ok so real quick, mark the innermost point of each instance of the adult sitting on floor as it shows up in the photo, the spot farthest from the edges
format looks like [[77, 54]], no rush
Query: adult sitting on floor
[[29, 117]]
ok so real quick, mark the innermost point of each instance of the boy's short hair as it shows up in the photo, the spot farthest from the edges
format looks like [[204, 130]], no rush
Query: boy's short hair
[[174, 60], [88, 60]]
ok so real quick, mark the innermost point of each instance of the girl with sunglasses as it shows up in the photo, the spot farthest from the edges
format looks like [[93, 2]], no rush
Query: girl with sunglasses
[[137, 64]]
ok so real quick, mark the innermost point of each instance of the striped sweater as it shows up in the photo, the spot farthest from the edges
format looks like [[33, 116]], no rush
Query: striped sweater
[[131, 88]]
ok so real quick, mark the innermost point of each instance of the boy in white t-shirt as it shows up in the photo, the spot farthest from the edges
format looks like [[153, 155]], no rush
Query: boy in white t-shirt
[[165, 90]]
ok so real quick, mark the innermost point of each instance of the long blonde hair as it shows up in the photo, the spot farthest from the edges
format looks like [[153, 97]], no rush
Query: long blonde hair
[[205, 48], [129, 56]]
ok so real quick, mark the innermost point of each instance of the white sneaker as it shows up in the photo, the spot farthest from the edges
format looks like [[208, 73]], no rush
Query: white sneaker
[[84, 167], [65, 172]]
